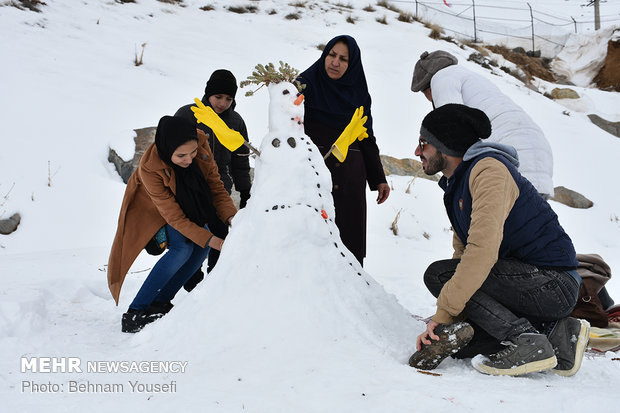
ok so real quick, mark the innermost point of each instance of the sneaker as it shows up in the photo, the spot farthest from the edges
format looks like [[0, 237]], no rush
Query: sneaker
[[569, 339], [452, 338], [526, 353], [134, 320]]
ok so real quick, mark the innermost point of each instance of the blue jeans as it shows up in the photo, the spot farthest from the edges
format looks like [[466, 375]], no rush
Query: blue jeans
[[169, 274], [515, 298]]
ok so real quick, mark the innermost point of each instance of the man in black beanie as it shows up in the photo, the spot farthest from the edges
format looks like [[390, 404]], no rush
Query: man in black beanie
[[234, 167], [512, 275]]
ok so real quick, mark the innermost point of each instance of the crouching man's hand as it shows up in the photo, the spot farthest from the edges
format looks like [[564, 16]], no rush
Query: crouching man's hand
[[428, 334]]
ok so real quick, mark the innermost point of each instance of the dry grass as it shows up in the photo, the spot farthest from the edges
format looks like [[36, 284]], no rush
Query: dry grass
[[208, 7], [436, 31], [382, 20], [351, 19], [292, 16], [394, 226], [32, 5], [389, 6], [139, 60], [243, 9], [405, 17], [369, 9]]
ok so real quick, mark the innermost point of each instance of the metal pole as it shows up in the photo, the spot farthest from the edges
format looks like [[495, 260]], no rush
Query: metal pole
[[474, 11], [416, 9], [597, 15], [575, 23], [532, 20]]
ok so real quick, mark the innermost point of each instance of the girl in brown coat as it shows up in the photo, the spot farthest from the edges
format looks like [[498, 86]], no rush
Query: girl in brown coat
[[177, 186]]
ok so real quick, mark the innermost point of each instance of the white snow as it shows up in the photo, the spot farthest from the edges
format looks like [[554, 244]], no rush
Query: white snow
[[285, 323]]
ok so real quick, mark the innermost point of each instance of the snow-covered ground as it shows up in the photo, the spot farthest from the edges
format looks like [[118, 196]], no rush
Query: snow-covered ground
[[69, 88]]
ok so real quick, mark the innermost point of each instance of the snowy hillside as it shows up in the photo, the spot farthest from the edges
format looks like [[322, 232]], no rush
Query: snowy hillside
[[307, 343]]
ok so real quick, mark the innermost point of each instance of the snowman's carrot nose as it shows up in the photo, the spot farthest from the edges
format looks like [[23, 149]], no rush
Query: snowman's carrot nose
[[299, 99]]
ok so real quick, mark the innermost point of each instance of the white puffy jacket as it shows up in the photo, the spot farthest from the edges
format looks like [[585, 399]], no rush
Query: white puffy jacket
[[510, 124]]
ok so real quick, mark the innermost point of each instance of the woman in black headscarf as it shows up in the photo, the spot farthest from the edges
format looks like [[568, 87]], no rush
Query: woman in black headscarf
[[176, 186], [335, 87]]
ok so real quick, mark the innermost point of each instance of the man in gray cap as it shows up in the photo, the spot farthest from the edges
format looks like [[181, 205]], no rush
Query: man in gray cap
[[512, 275], [443, 81]]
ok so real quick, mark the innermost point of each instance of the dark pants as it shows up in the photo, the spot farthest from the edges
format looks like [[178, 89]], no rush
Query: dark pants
[[515, 298], [219, 229], [171, 271]]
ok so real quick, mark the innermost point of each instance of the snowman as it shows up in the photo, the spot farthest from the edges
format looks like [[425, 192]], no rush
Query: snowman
[[284, 278]]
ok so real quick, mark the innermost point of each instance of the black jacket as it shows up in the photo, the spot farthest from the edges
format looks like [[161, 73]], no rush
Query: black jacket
[[234, 167]]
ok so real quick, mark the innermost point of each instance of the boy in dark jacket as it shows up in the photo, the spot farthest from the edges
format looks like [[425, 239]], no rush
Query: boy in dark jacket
[[234, 167]]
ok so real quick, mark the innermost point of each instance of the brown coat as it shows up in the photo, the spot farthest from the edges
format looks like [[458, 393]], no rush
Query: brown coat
[[149, 203]]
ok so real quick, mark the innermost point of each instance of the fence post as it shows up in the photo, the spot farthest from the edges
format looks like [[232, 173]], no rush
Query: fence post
[[532, 20], [575, 23], [474, 11], [416, 9]]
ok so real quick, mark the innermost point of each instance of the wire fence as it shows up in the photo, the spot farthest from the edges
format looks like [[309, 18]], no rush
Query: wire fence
[[525, 26]]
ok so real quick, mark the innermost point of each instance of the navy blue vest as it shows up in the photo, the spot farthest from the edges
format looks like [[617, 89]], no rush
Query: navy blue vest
[[532, 232]]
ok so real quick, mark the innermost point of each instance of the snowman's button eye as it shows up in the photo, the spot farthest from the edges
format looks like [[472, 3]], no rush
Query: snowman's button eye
[[285, 92], [276, 142], [291, 142]]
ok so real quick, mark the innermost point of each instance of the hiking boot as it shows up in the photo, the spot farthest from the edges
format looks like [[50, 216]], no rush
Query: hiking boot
[[135, 320], [452, 338], [569, 339], [526, 353], [159, 308]]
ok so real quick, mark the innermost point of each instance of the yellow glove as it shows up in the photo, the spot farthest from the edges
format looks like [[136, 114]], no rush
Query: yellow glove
[[354, 130], [231, 139]]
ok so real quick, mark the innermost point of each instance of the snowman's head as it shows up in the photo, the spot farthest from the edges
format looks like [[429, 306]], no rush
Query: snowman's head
[[286, 110]]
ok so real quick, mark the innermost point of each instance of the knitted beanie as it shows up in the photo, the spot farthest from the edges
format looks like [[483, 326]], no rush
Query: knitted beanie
[[427, 66], [221, 81], [453, 128]]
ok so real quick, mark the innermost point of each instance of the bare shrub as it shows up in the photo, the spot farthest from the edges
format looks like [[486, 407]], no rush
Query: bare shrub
[[369, 9], [292, 16], [139, 60], [382, 20], [351, 19]]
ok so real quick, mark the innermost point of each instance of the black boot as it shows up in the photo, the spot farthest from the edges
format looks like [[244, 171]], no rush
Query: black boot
[[194, 280], [159, 308], [135, 320]]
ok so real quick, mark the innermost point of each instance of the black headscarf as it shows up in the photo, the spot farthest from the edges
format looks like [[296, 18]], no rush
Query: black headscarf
[[192, 190], [333, 102]]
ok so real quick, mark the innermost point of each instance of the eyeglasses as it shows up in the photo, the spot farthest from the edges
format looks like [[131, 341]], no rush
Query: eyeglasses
[[422, 142]]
